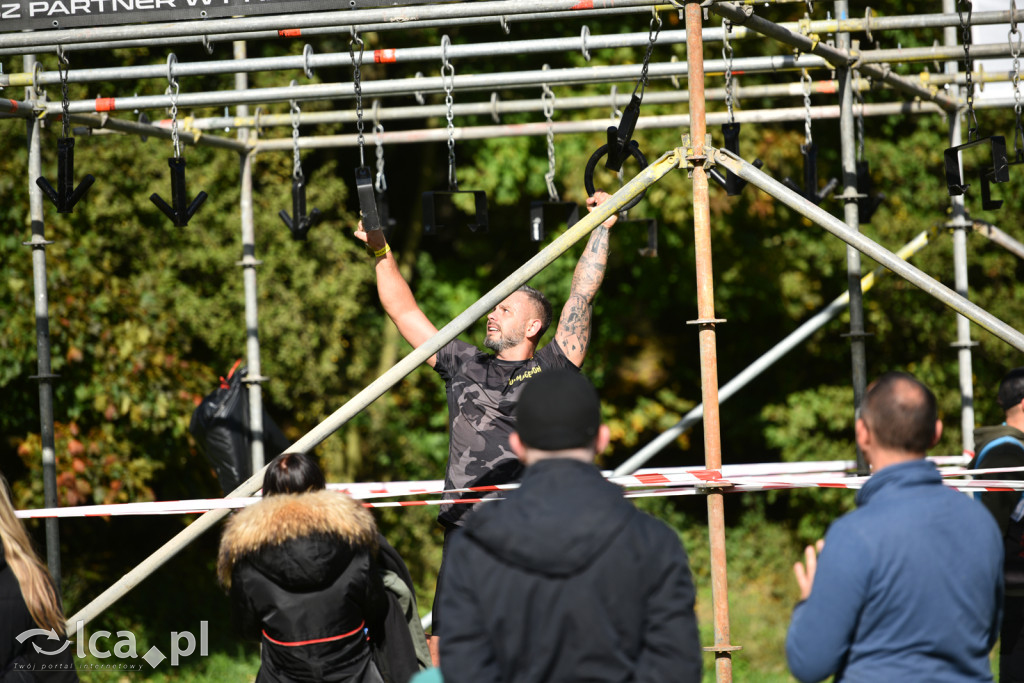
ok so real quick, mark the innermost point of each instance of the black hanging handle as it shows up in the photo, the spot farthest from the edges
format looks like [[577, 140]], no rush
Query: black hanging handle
[[66, 195], [439, 212], [302, 222], [868, 202], [588, 173], [367, 199], [620, 137], [731, 182], [998, 172], [567, 212], [180, 211], [810, 190]]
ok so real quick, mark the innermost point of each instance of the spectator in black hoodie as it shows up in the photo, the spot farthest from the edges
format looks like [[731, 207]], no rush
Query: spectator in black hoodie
[[566, 580]]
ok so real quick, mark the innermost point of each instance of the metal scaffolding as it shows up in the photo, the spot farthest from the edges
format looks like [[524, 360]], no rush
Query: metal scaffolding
[[855, 71]]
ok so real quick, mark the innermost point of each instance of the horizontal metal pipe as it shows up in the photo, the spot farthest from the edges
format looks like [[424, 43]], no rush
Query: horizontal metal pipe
[[851, 24], [927, 89], [768, 359], [287, 32], [744, 16], [344, 59], [614, 101], [540, 128], [426, 85], [382, 384], [870, 248], [468, 51], [355, 18]]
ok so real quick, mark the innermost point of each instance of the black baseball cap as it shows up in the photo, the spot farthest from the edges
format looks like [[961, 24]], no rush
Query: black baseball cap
[[558, 410], [1011, 389]]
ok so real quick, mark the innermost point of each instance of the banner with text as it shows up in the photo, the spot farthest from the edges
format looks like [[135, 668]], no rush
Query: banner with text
[[20, 15]]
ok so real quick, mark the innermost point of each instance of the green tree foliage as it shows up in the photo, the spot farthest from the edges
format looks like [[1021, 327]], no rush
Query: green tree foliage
[[144, 316]]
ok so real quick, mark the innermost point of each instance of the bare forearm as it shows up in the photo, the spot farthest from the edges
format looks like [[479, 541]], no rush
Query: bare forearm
[[395, 294], [573, 333], [589, 273]]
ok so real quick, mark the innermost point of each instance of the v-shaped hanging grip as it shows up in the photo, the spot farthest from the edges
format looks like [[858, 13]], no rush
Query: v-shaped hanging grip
[[731, 183], [302, 223], [619, 138], [999, 172], [810, 190], [66, 195], [868, 202], [181, 211], [367, 199]]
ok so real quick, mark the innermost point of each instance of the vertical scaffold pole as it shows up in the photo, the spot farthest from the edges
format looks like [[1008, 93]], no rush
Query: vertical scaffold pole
[[42, 312], [851, 214], [961, 225], [249, 264], [705, 322]]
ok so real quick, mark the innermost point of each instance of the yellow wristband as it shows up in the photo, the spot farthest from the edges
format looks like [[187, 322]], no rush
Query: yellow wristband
[[380, 252]]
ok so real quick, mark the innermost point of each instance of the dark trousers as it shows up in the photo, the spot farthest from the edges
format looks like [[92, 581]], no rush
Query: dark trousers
[[1011, 647], [435, 618]]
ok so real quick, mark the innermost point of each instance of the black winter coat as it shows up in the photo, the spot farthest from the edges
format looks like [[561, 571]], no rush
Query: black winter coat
[[28, 661], [567, 581], [302, 575]]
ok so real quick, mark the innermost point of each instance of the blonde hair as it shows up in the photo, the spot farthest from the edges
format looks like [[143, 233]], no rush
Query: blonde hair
[[33, 577]]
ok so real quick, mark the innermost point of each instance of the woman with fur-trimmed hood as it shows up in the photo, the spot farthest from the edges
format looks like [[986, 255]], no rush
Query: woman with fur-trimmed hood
[[301, 572]]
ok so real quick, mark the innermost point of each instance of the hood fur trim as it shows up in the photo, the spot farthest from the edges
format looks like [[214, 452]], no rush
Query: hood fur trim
[[279, 518]]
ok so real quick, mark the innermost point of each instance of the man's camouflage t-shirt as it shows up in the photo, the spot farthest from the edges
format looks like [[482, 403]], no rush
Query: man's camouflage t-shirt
[[482, 395]]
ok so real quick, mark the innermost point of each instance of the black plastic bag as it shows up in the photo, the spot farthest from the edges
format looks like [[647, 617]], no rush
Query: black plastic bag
[[220, 425]]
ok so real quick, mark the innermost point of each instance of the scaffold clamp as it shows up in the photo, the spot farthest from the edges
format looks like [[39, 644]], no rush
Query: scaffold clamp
[[66, 195], [299, 223], [180, 211]]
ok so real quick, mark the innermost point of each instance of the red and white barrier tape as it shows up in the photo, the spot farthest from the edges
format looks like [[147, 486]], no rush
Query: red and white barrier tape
[[671, 482]]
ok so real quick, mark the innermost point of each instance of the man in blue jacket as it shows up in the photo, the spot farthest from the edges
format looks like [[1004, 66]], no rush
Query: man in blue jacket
[[909, 586]]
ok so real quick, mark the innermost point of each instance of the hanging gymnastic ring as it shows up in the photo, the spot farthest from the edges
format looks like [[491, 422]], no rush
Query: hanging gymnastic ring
[[588, 175]]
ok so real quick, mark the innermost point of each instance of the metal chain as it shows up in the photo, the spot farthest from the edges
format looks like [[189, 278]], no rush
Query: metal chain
[[296, 160], [727, 56], [1014, 37], [965, 26], [805, 79], [357, 85], [448, 78], [810, 7], [652, 37], [65, 118], [380, 182], [548, 99], [172, 89]]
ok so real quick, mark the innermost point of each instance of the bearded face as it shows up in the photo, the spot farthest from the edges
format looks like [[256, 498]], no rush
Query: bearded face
[[506, 324]]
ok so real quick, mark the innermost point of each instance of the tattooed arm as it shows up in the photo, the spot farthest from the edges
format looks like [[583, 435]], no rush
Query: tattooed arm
[[573, 333]]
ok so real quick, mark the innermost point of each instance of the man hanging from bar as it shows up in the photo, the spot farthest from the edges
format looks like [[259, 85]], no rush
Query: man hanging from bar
[[482, 388]]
